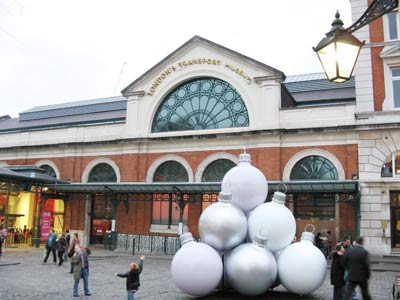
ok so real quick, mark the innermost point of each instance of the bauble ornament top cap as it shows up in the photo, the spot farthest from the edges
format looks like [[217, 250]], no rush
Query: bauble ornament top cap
[[307, 236], [186, 237], [225, 195], [244, 157], [279, 197]]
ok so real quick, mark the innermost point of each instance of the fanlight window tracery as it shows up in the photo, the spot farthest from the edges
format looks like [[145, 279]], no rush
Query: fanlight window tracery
[[102, 173], [216, 171], [49, 170], [314, 168], [205, 103]]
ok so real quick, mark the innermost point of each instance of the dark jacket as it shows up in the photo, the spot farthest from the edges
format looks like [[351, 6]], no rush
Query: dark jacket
[[51, 241], [61, 244], [337, 270], [132, 278], [357, 264]]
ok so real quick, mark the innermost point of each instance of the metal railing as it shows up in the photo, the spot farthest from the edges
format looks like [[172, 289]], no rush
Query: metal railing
[[168, 245]]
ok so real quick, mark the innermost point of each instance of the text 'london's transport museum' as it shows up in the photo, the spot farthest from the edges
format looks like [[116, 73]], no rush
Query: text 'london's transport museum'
[[130, 168]]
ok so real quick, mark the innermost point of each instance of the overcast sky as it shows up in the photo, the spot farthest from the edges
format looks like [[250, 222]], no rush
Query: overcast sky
[[59, 51]]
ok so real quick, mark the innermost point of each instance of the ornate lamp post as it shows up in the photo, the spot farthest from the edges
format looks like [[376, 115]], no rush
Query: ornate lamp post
[[339, 49]]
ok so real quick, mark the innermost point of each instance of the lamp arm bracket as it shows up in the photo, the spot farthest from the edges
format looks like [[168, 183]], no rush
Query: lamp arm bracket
[[375, 10]]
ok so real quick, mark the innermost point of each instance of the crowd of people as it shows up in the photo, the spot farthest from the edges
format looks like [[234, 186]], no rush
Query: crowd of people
[[70, 249], [350, 268]]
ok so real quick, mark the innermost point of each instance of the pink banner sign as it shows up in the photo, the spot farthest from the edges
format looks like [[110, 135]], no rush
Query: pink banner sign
[[46, 225]]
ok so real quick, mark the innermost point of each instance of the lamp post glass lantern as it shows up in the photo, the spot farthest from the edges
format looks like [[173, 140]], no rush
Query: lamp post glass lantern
[[338, 52], [339, 49]]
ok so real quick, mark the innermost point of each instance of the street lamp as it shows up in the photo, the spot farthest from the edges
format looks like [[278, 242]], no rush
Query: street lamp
[[339, 49]]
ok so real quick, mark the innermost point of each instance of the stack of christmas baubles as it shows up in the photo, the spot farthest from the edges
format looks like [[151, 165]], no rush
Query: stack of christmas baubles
[[247, 242]]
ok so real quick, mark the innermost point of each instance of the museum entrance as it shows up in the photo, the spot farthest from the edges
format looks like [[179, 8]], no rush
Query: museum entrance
[[102, 216]]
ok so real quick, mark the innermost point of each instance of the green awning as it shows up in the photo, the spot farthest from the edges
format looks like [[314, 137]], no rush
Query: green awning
[[211, 187]]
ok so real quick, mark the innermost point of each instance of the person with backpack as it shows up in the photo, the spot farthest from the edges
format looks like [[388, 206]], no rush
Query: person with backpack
[[61, 246], [51, 246]]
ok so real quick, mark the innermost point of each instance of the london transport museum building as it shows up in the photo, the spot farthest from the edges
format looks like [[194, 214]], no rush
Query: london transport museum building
[[139, 163]]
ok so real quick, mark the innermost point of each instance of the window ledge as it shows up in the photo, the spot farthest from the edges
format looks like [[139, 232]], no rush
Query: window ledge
[[164, 228]]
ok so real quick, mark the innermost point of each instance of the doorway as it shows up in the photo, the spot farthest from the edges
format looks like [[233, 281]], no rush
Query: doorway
[[395, 218]]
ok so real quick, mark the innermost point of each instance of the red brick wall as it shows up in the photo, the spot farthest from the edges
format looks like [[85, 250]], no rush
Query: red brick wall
[[133, 168], [377, 36]]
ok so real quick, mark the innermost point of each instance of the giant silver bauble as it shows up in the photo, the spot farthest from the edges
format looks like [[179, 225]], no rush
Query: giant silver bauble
[[196, 268], [222, 225], [275, 217], [249, 186], [302, 266], [251, 269]]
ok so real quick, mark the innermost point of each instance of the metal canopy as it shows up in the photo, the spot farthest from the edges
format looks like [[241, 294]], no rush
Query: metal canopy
[[193, 188], [26, 176]]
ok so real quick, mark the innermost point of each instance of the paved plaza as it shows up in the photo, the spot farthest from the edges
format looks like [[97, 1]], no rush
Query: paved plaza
[[22, 276]]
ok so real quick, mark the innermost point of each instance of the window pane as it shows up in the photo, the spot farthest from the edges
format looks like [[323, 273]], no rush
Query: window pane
[[321, 206], [395, 72], [216, 171], [156, 212], [102, 173], [171, 171], [206, 103], [397, 164], [392, 22], [396, 93], [314, 168], [49, 170]]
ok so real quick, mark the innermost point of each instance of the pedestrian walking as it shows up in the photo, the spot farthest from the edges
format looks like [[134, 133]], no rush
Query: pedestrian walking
[[132, 278], [337, 272], [51, 246], [357, 265], [346, 246], [61, 245], [81, 269]]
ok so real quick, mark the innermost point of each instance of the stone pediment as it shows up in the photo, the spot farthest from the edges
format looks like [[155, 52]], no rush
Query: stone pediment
[[391, 51], [199, 53]]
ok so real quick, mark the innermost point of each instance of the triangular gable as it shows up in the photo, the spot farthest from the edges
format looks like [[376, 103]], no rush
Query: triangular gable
[[390, 51], [199, 40]]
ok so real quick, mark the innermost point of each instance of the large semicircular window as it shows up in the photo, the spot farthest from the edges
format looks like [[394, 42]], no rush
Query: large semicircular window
[[314, 167], [204, 103]]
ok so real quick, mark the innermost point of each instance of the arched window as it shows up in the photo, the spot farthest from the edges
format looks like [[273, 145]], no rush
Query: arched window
[[170, 171], [314, 168], [391, 167], [165, 210], [204, 103], [102, 173], [216, 171], [49, 170]]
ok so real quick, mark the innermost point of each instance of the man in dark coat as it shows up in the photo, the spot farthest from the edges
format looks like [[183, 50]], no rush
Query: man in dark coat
[[357, 264], [132, 278], [337, 272]]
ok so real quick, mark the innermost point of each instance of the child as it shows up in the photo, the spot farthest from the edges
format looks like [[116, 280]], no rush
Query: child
[[132, 278]]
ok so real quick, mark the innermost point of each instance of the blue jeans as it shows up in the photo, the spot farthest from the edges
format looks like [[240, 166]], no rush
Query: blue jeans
[[131, 295], [85, 275]]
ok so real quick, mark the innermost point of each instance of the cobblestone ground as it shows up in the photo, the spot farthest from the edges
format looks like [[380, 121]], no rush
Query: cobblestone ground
[[22, 276]]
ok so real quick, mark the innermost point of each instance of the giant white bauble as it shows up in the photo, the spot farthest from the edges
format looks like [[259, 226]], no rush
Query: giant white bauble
[[275, 217], [196, 268], [251, 269], [222, 225], [302, 266], [249, 186]]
